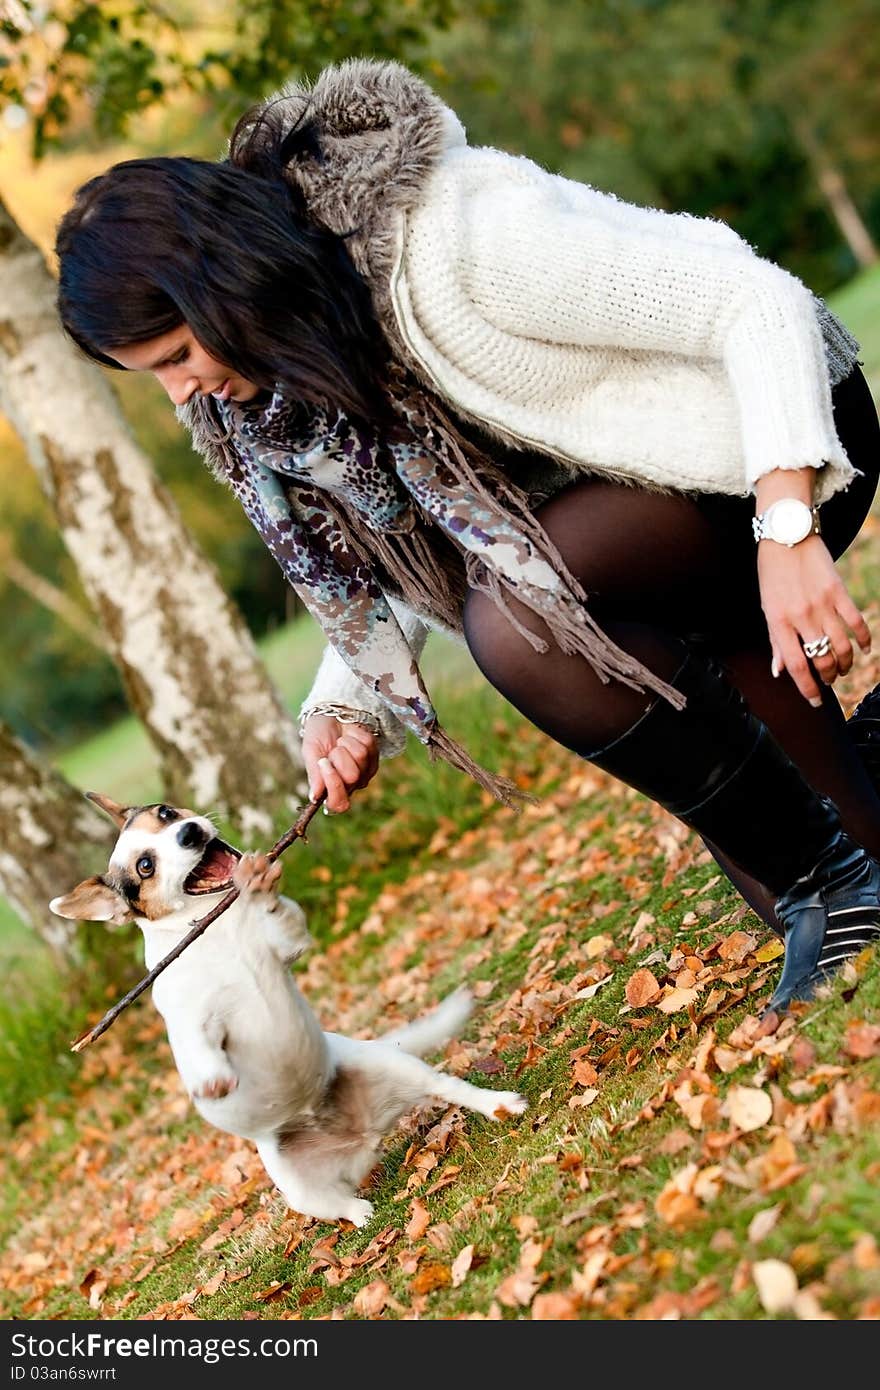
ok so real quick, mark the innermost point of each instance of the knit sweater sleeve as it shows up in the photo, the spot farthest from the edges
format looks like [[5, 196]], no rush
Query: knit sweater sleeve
[[337, 691], [561, 263]]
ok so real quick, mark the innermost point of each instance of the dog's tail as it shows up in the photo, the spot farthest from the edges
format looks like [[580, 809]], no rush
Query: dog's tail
[[428, 1033]]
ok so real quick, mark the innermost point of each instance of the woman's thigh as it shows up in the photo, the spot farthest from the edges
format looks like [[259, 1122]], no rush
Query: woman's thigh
[[687, 563]]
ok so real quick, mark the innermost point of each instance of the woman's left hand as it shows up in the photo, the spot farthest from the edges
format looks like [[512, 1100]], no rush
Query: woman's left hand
[[804, 598]]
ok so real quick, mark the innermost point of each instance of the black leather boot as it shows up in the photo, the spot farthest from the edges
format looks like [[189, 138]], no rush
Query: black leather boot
[[718, 768]]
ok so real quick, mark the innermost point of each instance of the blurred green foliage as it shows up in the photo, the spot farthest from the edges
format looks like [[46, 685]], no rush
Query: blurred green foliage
[[716, 108]]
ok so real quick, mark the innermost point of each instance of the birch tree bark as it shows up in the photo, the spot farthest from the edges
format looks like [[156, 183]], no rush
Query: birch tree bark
[[50, 838], [190, 668]]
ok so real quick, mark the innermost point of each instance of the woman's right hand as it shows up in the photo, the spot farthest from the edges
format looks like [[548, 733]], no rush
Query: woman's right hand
[[339, 758]]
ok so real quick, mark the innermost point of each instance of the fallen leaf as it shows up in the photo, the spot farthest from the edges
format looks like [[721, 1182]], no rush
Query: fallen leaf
[[518, 1289], [762, 1223], [737, 946], [675, 1141], [771, 950], [748, 1108], [641, 989], [589, 990], [419, 1220], [555, 1307], [777, 1285], [583, 1098], [461, 1265], [862, 1040], [584, 1073], [431, 1277], [597, 946], [680, 1209], [677, 999], [372, 1298], [274, 1293]]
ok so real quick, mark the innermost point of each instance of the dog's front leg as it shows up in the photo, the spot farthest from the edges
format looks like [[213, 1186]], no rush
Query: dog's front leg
[[283, 921], [200, 1055]]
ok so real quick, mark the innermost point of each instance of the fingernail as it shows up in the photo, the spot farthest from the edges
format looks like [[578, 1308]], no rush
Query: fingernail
[[324, 809], [774, 667], [323, 762], [816, 702]]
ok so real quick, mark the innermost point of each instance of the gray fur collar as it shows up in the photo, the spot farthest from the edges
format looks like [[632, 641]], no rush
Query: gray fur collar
[[381, 131]]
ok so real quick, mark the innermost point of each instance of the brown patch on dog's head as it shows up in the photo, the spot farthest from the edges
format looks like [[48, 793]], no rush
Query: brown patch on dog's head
[[155, 818]]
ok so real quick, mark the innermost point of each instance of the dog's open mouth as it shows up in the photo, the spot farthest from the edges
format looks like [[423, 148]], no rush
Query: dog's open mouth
[[214, 870]]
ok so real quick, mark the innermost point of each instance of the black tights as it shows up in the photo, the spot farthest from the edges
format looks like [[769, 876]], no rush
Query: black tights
[[664, 572]]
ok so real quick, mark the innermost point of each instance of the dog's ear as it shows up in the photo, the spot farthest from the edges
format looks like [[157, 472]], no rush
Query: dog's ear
[[93, 900], [110, 807]]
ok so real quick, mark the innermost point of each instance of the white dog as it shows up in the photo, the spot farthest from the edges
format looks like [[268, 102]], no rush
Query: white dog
[[248, 1047]]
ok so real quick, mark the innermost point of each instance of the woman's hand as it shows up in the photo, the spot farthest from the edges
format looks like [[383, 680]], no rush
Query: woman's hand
[[339, 758], [804, 598]]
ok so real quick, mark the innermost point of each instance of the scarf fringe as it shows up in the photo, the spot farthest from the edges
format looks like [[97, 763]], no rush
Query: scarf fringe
[[565, 613], [440, 745]]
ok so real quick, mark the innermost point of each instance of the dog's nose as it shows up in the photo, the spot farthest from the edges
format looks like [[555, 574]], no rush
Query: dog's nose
[[191, 835]]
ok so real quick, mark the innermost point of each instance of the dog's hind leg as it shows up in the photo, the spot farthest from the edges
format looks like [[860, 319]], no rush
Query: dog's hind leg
[[313, 1180], [397, 1081]]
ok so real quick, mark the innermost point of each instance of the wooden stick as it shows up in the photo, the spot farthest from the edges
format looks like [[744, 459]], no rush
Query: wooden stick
[[296, 832]]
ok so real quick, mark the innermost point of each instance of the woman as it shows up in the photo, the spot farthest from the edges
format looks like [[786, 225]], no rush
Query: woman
[[450, 388]]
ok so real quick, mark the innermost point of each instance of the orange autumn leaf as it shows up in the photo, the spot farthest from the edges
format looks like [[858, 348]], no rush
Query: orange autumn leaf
[[431, 1277], [584, 1073], [641, 989], [419, 1220], [680, 1209], [737, 946]]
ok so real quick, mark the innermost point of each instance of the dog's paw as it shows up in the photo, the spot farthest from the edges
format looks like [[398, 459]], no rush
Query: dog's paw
[[507, 1103], [358, 1211], [257, 873], [215, 1087]]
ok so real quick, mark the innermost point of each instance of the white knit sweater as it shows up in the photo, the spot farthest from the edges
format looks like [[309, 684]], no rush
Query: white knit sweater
[[654, 347]]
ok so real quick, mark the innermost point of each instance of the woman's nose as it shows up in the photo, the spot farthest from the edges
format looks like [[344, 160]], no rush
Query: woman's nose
[[178, 387]]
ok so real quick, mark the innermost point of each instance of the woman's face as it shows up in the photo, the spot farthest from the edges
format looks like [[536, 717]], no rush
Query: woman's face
[[184, 368]]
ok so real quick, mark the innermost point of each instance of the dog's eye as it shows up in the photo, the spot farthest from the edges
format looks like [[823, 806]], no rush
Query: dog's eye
[[166, 813], [145, 866]]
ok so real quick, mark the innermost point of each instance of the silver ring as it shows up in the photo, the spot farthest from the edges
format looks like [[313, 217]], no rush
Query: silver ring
[[820, 646]]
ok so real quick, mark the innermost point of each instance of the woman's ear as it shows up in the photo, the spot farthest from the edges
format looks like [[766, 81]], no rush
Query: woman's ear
[[93, 900]]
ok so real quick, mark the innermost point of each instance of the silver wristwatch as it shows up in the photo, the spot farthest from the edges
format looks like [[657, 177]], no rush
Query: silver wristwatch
[[787, 521]]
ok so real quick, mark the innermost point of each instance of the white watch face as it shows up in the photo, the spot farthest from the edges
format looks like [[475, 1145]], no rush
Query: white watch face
[[788, 521]]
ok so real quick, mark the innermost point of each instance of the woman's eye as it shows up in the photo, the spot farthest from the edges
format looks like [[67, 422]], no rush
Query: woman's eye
[[144, 866], [181, 357]]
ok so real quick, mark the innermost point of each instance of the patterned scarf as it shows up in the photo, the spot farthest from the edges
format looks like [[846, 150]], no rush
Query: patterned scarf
[[337, 505]]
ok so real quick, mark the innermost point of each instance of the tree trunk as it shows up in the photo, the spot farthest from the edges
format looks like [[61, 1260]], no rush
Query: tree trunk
[[190, 667], [50, 838], [833, 186], [44, 592]]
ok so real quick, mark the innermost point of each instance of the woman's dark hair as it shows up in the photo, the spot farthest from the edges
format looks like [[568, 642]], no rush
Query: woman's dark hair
[[153, 243]]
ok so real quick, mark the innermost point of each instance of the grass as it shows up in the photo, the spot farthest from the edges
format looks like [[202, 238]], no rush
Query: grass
[[109, 1176]]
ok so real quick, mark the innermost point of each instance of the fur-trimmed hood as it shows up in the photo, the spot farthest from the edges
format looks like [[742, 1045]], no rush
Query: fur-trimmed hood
[[369, 133]]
